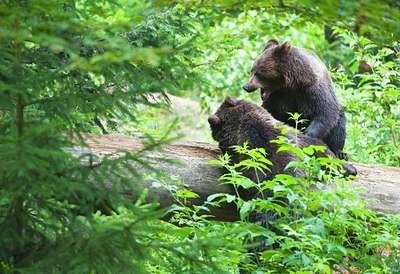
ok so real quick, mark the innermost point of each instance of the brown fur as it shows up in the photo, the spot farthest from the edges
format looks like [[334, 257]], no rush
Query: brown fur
[[239, 121], [293, 79]]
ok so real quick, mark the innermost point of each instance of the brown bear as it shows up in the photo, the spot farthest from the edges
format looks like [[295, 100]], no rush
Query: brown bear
[[294, 79], [239, 121]]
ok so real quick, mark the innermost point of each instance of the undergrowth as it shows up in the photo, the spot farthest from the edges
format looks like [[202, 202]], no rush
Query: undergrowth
[[324, 226]]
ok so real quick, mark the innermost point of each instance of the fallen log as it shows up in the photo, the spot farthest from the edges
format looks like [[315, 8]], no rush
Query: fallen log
[[380, 182]]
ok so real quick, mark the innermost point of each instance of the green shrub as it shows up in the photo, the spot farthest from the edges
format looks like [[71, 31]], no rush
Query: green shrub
[[325, 226], [371, 101]]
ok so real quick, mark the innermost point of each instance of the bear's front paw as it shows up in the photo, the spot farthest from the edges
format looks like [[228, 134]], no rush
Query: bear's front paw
[[349, 170], [341, 155]]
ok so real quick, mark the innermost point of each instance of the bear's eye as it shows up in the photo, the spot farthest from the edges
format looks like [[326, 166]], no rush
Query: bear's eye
[[260, 76]]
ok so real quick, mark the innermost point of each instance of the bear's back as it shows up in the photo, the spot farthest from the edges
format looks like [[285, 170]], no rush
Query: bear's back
[[313, 60]]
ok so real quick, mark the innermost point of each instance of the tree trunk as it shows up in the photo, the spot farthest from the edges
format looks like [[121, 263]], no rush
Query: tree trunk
[[380, 182]]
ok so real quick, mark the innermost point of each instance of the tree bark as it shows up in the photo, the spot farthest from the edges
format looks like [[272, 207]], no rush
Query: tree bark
[[380, 182]]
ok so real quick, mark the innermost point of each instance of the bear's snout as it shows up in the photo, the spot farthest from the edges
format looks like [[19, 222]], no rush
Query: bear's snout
[[249, 88], [246, 88]]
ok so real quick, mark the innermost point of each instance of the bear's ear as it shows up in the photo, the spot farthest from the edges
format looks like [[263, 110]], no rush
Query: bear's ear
[[228, 102], [285, 48], [214, 120], [270, 43]]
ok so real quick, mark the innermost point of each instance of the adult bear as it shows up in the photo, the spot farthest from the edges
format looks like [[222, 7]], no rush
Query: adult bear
[[294, 79]]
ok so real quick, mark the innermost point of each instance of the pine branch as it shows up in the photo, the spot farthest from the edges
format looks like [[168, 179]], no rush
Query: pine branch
[[18, 204]]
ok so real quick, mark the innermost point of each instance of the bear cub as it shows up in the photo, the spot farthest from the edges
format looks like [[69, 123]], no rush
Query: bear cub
[[239, 121], [294, 79]]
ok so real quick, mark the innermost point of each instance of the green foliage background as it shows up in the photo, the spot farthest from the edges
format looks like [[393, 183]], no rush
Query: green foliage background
[[72, 67]]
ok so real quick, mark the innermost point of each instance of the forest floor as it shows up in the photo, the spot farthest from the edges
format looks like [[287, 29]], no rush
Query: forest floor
[[193, 123]]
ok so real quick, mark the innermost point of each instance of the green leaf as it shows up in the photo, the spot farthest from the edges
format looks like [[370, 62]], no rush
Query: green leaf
[[230, 198], [185, 193], [245, 209]]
